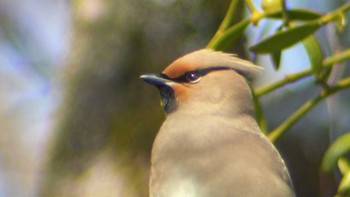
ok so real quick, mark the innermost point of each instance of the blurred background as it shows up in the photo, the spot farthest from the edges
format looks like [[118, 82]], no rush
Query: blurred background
[[75, 120]]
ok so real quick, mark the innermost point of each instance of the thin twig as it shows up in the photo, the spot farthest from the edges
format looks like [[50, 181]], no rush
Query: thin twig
[[226, 22], [289, 122], [302, 74]]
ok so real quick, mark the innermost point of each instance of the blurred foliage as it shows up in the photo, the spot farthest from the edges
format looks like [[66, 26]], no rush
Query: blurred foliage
[[108, 120], [274, 45], [336, 155]]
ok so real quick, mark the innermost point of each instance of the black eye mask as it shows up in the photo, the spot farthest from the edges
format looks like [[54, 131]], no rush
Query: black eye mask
[[193, 76]]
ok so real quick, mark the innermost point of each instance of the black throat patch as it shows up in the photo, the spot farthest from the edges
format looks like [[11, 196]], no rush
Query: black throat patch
[[168, 98]]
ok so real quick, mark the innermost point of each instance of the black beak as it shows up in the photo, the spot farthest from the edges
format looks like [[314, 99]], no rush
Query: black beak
[[156, 80], [163, 83]]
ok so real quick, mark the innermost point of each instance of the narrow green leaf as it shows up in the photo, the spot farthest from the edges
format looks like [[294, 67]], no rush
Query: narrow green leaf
[[343, 165], [344, 185], [339, 147], [284, 39], [296, 14], [341, 22], [315, 54], [276, 56], [228, 37], [276, 59]]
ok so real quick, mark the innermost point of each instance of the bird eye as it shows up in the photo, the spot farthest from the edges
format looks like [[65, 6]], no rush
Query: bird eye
[[193, 77]]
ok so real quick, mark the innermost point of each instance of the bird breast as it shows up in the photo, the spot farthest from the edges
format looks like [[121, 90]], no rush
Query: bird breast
[[233, 161]]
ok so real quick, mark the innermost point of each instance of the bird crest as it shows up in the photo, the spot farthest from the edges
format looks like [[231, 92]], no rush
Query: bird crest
[[207, 58]]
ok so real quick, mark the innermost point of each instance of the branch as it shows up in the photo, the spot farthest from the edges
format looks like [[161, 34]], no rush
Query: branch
[[251, 6], [335, 14], [302, 74], [226, 22], [289, 122]]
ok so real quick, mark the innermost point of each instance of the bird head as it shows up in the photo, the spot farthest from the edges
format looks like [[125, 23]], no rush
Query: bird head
[[202, 79]]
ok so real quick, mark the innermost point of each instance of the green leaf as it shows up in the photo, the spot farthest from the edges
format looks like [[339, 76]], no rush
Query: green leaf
[[276, 56], [276, 59], [340, 147], [341, 22], [344, 185], [315, 54], [296, 14], [284, 39], [343, 165], [228, 37]]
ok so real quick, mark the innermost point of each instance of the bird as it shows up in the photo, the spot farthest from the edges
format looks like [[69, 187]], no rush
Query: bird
[[210, 144]]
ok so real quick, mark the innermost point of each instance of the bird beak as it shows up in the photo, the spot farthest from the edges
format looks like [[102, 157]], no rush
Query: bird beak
[[156, 80], [163, 83]]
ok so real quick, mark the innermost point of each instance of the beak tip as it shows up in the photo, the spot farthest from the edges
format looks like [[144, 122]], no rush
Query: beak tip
[[146, 78], [142, 77]]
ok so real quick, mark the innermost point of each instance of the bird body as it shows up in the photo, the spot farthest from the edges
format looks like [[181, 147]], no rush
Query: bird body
[[210, 144]]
